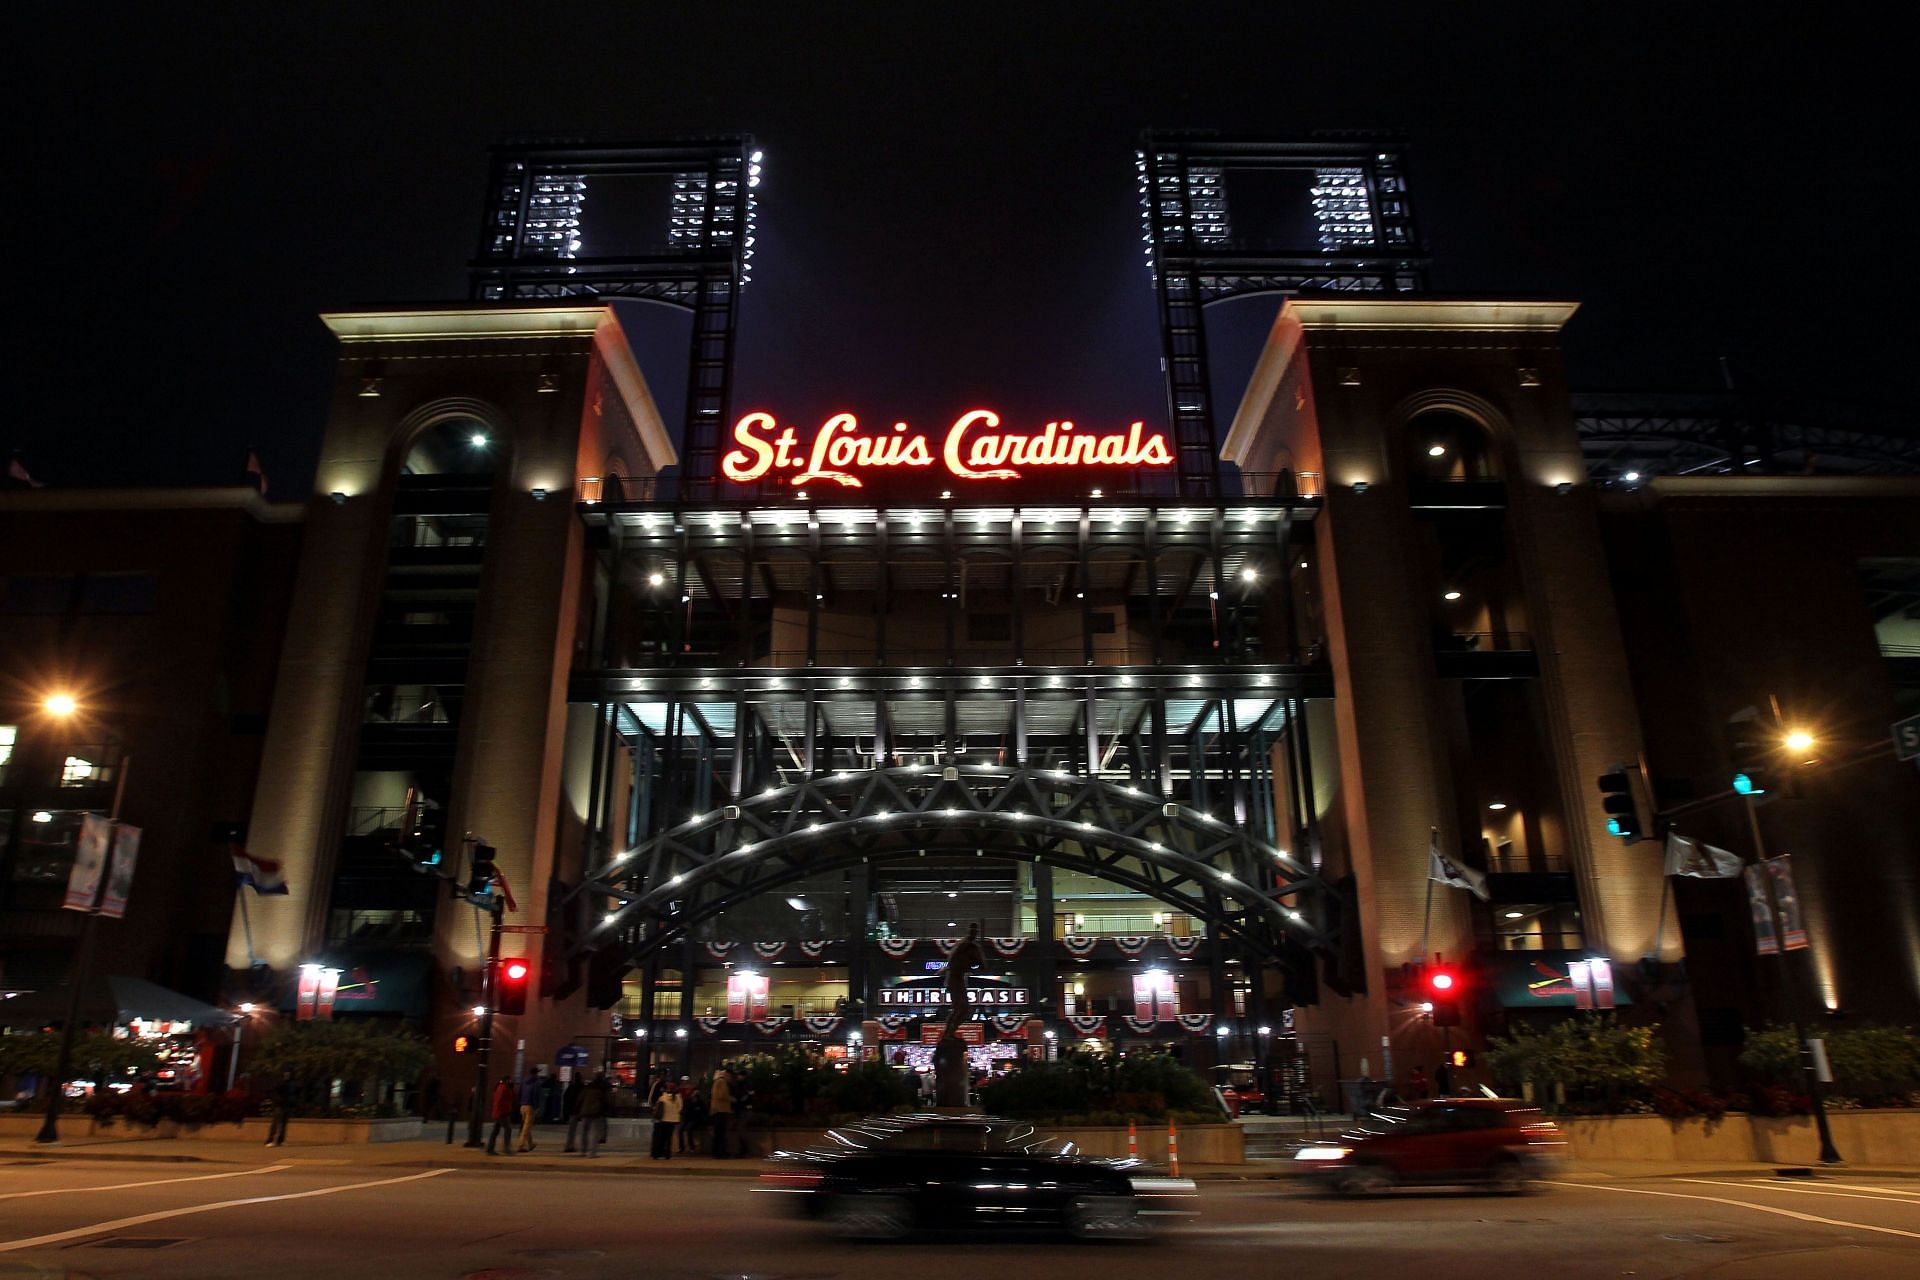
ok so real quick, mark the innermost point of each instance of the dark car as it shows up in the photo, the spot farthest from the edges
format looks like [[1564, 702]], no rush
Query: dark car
[[887, 1176], [1495, 1142]]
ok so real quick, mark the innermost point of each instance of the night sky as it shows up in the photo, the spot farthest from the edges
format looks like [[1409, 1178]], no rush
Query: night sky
[[948, 216]]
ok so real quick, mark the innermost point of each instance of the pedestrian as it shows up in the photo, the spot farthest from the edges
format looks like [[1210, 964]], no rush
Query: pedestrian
[[570, 1108], [280, 1103], [503, 1110], [693, 1115], [743, 1117], [720, 1105], [1417, 1084], [1443, 1079], [593, 1114], [550, 1099], [668, 1107], [529, 1107]]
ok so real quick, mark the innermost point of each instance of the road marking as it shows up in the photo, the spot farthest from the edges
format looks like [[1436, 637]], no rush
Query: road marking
[[1738, 1204], [1799, 1191], [1891, 1191], [98, 1228], [124, 1186]]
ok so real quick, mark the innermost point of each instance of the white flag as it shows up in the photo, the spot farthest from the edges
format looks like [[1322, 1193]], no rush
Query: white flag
[[1701, 861], [1447, 871]]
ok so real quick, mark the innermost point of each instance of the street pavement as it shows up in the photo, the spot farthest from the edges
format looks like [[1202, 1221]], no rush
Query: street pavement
[[368, 1213]]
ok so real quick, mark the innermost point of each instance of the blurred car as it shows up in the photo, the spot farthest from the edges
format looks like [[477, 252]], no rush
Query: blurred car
[[887, 1176], [1494, 1142]]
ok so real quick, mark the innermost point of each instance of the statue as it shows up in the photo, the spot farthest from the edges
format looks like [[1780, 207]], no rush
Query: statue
[[950, 1075]]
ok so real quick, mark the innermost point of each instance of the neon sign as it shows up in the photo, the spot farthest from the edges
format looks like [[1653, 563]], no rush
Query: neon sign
[[974, 448]]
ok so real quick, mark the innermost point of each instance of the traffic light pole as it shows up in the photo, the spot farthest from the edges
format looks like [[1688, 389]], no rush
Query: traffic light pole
[[1829, 1154], [488, 993]]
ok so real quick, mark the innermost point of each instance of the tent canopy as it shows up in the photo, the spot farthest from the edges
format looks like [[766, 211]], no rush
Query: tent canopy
[[113, 1000]]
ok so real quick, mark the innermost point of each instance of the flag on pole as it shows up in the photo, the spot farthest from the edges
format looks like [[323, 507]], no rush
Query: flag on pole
[[1448, 872], [258, 472], [262, 874], [1686, 857], [499, 885]]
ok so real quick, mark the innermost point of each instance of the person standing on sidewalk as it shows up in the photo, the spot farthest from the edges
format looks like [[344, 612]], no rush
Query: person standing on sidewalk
[[721, 1105], [693, 1116], [667, 1110], [593, 1114], [529, 1107], [502, 1111], [570, 1108], [281, 1103]]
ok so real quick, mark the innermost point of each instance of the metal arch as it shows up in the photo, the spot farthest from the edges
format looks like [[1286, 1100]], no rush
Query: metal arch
[[686, 875]]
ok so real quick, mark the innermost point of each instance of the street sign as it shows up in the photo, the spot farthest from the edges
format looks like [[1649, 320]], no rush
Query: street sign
[[523, 928], [570, 1055], [1906, 738]]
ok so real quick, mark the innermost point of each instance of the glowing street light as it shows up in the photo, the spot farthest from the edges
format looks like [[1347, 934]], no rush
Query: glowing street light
[[1799, 740], [60, 704]]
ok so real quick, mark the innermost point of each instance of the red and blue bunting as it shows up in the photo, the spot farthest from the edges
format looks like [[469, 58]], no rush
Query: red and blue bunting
[[1078, 945], [897, 947], [1008, 948], [1088, 1024], [1194, 1022], [822, 1026], [1132, 944]]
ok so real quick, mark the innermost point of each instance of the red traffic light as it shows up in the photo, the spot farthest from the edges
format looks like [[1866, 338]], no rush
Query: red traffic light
[[516, 970], [1442, 980]]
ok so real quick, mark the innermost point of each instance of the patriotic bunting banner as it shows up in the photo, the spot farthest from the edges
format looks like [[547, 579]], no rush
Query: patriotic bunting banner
[[894, 1021], [815, 949], [1140, 1026], [768, 950], [1087, 1024], [1008, 948], [1184, 946], [896, 947], [1131, 944], [771, 1026], [709, 1026], [1079, 946], [1008, 1024], [946, 945], [718, 950], [822, 1026], [1194, 1022]]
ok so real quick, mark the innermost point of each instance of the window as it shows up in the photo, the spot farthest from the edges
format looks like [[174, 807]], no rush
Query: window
[[1537, 926], [9, 734]]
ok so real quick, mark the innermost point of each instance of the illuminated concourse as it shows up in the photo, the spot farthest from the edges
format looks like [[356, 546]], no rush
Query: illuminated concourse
[[834, 736]]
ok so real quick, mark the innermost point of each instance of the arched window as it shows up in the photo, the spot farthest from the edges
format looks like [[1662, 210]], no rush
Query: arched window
[[453, 446], [1443, 444]]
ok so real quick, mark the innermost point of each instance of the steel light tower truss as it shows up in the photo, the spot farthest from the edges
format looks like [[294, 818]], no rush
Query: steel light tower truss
[[536, 243], [1212, 869], [1347, 227]]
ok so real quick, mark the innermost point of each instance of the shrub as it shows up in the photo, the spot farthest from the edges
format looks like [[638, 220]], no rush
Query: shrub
[[38, 1054], [318, 1052], [1876, 1065], [1587, 1056], [1102, 1090]]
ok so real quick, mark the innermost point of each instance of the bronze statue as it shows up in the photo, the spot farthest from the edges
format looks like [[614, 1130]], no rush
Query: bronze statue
[[965, 959]]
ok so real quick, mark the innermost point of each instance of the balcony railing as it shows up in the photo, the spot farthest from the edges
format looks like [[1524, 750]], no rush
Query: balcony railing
[[1152, 486]]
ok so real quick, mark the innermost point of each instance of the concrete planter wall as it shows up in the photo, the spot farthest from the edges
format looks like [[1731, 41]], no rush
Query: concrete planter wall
[[1199, 1144], [1863, 1137], [299, 1132]]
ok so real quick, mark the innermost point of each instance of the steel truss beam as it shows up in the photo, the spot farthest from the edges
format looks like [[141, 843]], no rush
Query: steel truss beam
[[1205, 866]]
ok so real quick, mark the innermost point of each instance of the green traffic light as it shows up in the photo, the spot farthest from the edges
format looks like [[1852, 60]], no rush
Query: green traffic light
[[1744, 784]]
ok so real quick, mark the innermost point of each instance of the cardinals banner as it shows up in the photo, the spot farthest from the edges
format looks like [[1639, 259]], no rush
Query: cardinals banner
[[896, 947], [1155, 997], [746, 997], [1766, 940]]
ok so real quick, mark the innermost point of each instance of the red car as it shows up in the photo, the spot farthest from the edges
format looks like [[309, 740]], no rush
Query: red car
[[1495, 1142]]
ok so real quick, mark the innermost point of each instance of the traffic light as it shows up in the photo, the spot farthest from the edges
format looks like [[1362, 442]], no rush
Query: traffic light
[[422, 837], [510, 986], [459, 1044], [480, 879], [1616, 797], [1443, 988], [1753, 746], [1460, 1058]]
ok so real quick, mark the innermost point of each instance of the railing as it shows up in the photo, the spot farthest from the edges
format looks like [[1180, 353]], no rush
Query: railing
[[1283, 485]]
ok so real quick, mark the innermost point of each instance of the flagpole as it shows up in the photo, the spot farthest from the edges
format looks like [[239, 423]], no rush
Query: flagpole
[[1426, 919], [1660, 922], [246, 923]]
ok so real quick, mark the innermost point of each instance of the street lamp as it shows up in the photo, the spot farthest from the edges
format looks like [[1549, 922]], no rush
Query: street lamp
[[60, 704]]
